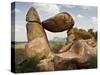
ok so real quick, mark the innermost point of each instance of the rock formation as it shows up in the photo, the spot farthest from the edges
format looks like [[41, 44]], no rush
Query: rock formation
[[81, 45], [75, 52], [76, 33], [37, 45], [61, 22]]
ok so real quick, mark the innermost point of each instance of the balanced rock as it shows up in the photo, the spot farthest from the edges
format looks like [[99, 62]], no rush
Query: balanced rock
[[60, 22], [81, 45], [37, 46]]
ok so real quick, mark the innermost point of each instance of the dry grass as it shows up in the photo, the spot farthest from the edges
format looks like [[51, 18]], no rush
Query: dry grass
[[20, 46]]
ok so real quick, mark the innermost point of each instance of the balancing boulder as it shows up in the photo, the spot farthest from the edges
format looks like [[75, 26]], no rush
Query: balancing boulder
[[60, 22]]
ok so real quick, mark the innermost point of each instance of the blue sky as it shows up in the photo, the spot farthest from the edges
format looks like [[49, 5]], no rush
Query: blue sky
[[85, 17]]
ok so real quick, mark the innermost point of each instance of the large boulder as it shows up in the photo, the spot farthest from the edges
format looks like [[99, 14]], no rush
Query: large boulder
[[37, 46], [60, 22]]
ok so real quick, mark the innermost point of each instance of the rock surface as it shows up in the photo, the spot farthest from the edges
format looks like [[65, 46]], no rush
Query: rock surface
[[34, 30], [77, 55], [60, 22], [76, 34], [37, 45], [32, 15], [46, 64], [76, 52], [37, 48]]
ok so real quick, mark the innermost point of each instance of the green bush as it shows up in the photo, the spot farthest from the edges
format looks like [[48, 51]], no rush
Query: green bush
[[93, 62], [55, 46], [27, 66]]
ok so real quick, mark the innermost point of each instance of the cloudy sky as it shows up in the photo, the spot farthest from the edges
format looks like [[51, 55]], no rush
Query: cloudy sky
[[84, 16]]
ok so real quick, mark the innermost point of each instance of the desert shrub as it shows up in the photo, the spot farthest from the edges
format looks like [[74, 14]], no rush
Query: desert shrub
[[93, 33], [55, 46], [72, 65], [93, 61], [27, 66]]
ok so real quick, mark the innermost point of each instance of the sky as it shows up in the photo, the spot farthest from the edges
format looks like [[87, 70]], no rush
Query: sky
[[84, 16]]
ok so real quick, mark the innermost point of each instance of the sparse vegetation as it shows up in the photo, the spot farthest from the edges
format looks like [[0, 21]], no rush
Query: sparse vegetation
[[27, 66], [22, 65], [94, 33], [56, 45], [93, 62]]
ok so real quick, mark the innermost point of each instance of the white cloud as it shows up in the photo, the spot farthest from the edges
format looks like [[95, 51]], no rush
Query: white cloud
[[85, 7], [94, 20], [69, 6], [20, 32], [19, 28], [16, 10], [80, 16], [78, 6], [46, 10]]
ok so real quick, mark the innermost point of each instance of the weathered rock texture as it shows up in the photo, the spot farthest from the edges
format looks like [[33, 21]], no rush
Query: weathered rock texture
[[37, 45], [76, 34], [47, 64], [60, 22], [76, 53], [81, 45], [32, 15]]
